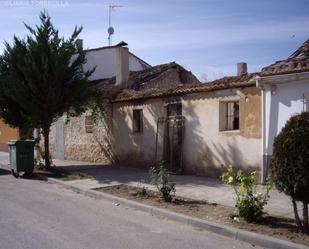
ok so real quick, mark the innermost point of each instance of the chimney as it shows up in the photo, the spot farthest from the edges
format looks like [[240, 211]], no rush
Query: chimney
[[79, 43], [241, 68], [122, 64]]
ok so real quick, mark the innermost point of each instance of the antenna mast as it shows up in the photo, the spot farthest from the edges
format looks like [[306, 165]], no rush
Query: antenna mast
[[110, 29]]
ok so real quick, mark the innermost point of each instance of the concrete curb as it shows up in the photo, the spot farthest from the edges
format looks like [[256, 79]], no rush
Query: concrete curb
[[237, 234]]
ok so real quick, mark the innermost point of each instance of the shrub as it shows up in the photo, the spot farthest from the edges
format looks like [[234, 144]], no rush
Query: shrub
[[161, 179], [141, 190], [38, 164], [289, 166], [249, 203]]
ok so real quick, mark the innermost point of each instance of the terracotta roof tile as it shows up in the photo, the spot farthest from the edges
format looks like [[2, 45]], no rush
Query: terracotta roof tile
[[138, 79], [297, 62], [220, 84]]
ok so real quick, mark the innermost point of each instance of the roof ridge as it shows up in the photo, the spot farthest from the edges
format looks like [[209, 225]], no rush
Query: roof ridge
[[296, 62], [299, 50]]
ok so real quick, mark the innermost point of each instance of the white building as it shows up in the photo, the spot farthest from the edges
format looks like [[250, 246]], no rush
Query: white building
[[285, 92], [107, 59]]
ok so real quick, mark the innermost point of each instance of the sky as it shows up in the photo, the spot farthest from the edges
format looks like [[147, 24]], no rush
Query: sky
[[207, 37]]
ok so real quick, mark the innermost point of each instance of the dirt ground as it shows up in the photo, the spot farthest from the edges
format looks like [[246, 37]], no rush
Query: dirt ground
[[279, 227], [59, 173]]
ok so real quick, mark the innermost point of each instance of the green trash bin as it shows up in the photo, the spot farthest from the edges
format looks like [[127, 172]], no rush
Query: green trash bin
[[21, 156]]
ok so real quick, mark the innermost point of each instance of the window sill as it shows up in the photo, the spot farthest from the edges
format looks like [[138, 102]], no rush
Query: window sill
[[137, 133], [230, 132]]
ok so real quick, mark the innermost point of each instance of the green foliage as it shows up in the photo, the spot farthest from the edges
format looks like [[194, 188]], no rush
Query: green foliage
[[141, 190], [290, 163], [42, 77], [290, 159], [40, 165], [98, 108], [161, 179], [26, 132], [249, 202]]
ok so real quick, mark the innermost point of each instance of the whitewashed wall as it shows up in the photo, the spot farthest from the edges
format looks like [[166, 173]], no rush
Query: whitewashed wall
[[106, 64], [286, 100], [282, 97]]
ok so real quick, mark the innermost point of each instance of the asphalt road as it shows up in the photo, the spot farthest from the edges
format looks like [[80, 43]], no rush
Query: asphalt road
[[35, 214]]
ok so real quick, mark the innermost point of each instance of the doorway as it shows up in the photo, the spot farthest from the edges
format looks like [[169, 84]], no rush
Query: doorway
[[173, 134]]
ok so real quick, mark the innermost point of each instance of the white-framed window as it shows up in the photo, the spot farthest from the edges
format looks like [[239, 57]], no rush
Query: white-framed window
[[229, 115], [138, 120]]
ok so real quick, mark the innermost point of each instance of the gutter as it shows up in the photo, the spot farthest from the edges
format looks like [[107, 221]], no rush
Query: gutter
[[280, 78], [264, 166]]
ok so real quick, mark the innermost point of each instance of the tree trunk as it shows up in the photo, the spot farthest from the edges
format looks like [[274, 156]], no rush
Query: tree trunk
[[38, 147], [305, 217], [297, 220], [46, 147]]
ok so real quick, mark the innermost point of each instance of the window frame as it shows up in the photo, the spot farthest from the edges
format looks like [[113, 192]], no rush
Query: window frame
[[227, 116], [89, 124], [137, 121]]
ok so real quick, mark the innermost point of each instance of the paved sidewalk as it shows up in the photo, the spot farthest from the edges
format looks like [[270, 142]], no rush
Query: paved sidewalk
[[195, 187]]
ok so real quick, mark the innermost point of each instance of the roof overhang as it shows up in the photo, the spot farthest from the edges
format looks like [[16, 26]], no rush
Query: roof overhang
[[279, 79]]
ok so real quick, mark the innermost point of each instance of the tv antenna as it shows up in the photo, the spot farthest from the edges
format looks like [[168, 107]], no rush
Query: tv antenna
[[110, 29]]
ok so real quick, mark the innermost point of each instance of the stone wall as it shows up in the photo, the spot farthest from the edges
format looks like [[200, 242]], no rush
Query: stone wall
[[82, 146]]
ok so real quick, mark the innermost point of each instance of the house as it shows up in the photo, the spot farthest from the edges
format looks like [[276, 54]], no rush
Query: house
[[108, 62], [196, 128], [83, 139], [164, 112], [285, 92]]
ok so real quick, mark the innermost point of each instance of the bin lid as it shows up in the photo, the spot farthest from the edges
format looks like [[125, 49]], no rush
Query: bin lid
[[14, 142], [11, 142]]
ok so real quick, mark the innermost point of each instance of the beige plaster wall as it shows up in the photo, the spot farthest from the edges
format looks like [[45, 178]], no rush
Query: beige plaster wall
[[206, 149], [137, 148]]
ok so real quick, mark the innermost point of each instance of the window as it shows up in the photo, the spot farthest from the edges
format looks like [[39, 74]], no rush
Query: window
[[173, 107], [229, 116], [138, 120], [88, 124]]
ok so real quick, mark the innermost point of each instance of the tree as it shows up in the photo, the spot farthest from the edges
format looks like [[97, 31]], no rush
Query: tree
[[290, 164], [41, 78]]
